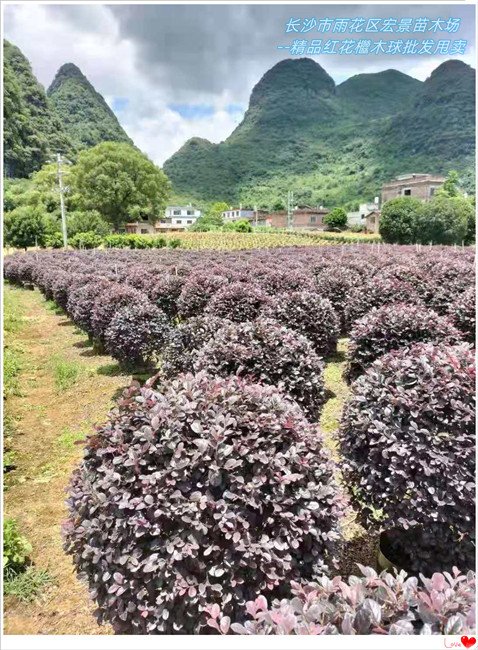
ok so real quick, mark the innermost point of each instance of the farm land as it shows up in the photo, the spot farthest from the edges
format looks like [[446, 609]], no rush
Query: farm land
[[233, 426]]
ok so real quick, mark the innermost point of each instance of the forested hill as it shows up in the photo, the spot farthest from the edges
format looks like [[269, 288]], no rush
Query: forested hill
[[32, 130], [70, 117], [333, 144], [86, 116]]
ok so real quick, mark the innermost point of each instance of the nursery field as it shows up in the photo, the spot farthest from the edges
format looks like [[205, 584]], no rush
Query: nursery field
[[291, 411]]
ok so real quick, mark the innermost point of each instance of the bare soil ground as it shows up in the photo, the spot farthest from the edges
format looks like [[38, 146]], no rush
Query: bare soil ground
[[55, 409], [47, 420]]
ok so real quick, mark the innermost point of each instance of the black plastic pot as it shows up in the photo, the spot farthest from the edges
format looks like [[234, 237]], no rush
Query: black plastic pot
[[385, 553]]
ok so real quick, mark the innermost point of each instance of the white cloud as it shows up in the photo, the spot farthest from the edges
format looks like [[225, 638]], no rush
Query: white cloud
[[213, 55]]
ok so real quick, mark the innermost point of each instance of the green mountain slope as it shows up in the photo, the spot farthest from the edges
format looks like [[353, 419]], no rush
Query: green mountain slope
[[379, 94], [86, 116], [439, 126], [329, 144], [32, 130]]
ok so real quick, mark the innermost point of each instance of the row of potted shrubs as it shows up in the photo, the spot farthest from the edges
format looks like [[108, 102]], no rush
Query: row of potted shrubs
[[209, 493]]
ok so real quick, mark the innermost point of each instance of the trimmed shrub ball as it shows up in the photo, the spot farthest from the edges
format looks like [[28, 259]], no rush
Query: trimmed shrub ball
[[376, 292], [185, 341], [269, 353], [81, 300], [238, 301], [63, 284], [335, 284], [197, 291], [208, 491], [165, 292], [408, 438], [309, 314], [136, 334], [107, 304], [392, 327], [369, 604], [463, 314]]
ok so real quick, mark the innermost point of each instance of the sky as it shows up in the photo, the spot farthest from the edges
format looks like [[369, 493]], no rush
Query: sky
[[171, 72]]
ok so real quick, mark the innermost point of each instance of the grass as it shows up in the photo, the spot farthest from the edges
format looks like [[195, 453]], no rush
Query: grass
[[338, 391], [65, 373], [27, 586], [12, 366], [12, 314], [69, 438]]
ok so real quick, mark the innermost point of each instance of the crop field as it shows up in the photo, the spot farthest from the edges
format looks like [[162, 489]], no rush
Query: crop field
[[283, 424]]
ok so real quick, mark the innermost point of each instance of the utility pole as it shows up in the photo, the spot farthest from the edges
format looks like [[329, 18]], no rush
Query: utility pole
[[290, 210], [62, 200]]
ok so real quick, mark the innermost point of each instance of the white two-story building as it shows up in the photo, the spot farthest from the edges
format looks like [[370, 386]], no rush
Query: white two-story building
[[176, 217]]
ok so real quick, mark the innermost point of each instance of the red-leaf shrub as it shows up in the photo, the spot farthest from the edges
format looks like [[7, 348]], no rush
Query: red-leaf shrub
[[185, 341], [408, 438], [392, 327], [209, 491], [335, 284], [463, 314], [238, 301], [309, 314], [372, 604], [197, 291], [376, 292], [107, 304], [269, 353], [137, 333], [166, 291], [81, 300]]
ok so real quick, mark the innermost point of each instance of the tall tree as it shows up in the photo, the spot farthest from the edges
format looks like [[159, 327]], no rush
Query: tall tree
[[120, 182]]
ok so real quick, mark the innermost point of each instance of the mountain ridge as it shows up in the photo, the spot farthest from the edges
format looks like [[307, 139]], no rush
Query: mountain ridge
[[330, 143], [86, 116]]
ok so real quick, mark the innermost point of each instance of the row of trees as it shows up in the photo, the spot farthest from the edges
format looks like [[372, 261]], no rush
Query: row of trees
[[449, 218], [111, 184]]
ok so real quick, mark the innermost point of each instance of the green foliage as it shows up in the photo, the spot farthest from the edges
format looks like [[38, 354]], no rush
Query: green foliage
[[336, 218], [450, 186], [211, 219], [86, 116], [24, 226], [174, 243], [32, 128], [243, 225], [398, 221], [444, 220], [86, 240], [16, 548], [54, 240], [27, 586], [342, 143], [120, 182], [86, 221]]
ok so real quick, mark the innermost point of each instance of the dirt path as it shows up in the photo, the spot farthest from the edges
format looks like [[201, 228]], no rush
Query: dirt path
[[48, 419]]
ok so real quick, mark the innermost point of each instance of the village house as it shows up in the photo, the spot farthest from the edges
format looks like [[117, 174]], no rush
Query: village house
[[418, 186], [176, 218], [357, 218], [238, 214], [303, 218]]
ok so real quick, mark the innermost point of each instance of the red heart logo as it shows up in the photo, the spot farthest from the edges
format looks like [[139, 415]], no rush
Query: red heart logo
[[468, 641]]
